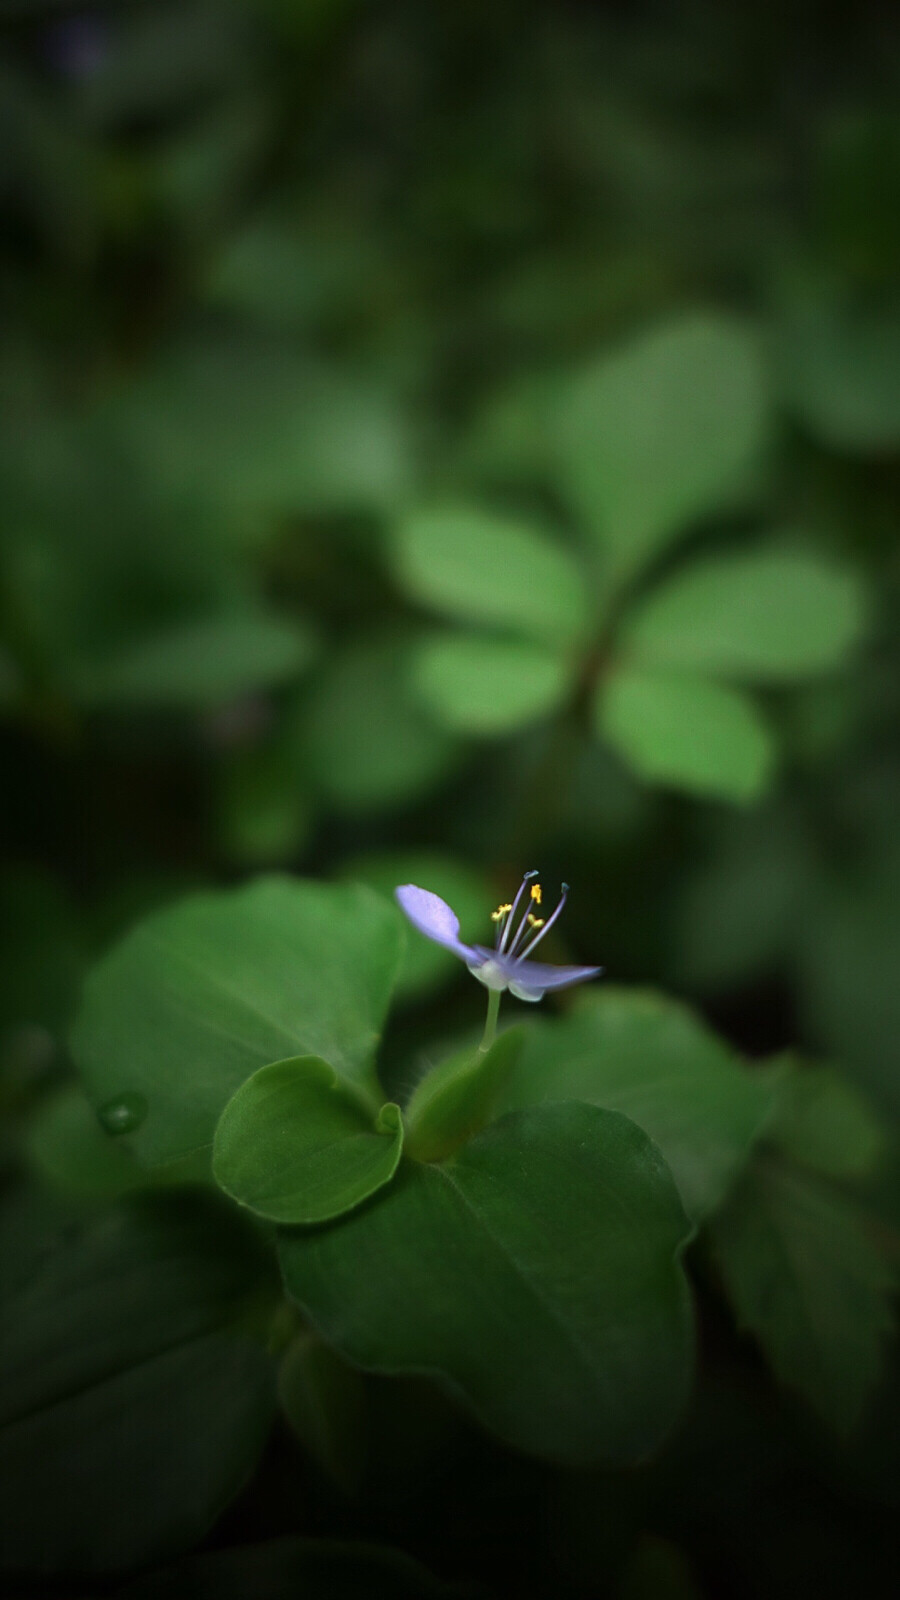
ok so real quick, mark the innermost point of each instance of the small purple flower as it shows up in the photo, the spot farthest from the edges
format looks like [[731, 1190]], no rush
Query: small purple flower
[[508, 965]]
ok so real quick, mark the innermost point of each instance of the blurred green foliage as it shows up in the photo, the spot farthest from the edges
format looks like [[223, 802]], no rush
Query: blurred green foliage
[[438, 442]]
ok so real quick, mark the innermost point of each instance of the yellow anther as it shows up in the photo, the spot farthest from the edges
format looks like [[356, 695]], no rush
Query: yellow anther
[[500, 912], [536, 892], [535, 922]]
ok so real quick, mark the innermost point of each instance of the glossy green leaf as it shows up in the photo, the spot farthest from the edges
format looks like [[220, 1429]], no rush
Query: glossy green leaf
[[297, 1569], [295, 1144], [807, 1280], [763, 616], [456, 1099], [200, 662], [536, 1273], [198, 996], [126, 1382], [486, 686], [660, 432], [363, 738], [475, 565], [637, 1052], [686, 733], [426, 966]]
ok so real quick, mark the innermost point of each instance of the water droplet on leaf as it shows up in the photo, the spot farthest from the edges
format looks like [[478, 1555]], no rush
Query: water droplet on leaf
[[123, 1114]]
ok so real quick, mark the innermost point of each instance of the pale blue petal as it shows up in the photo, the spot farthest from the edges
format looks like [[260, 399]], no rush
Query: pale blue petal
[[529, 980], [433, 917]]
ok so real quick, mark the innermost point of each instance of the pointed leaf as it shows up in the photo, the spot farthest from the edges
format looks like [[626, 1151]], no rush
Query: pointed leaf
[[651, 1058], [536, 1273], [806, 1279]]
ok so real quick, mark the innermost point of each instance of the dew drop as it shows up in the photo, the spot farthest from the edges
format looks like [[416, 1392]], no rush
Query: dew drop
[[123, 1114]]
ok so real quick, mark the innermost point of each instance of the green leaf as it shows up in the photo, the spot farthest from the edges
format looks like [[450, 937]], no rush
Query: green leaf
[[477, 566], [67, 1146], [806, 1280], [839, 366], [456, 1099], [536, 1273], [366, 743], [323, 1399], [198, 996], [487, 686], [200, 662], [823, 1122], [126, 1383], [288, 1569], [426, 966], [662, 432], [763, 616], [295, 1144], [651, 1058], [687, 733]]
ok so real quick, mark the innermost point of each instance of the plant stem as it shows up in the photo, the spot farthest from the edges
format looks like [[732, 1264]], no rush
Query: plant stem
[[490, 1024]]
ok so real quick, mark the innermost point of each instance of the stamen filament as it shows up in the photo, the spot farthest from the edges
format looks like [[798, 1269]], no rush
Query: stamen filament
[[509, 921], [545, 928]]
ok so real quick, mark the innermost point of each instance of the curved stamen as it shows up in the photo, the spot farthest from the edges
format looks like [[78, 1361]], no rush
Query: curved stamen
[[509, 921], [527, 920], [547, 925]]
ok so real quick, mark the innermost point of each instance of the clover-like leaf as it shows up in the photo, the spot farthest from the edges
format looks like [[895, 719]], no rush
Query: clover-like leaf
[[486, 686], [687, 733], [296, 1144], [769, 615], [199, 995], [536, 1273]]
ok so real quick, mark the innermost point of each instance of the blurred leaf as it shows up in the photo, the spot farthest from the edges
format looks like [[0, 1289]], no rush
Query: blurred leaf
[[849, 957], [563, 1324], [365, 742], [658, 1570], [824, 1123], [764, 615], [262, 817], [72, 1153], [687, 733], [323, 1399], [481, 567], [485, 687], [285, 1569], [662, 432], [736, 914], [806, 1280], [126, 1382], [296, 1144], [840, 370], [200, 662], [250, 419], [425, 966], [650, 1058], [198, 996], [457, 1098]]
